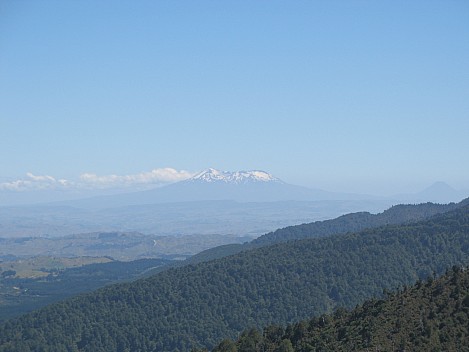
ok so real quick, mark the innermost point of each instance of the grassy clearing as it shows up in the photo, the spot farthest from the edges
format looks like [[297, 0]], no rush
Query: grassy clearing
[[41, 266]]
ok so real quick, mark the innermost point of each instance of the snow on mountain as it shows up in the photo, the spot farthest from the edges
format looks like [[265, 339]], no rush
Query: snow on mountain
[[216, 185], [237, 177]]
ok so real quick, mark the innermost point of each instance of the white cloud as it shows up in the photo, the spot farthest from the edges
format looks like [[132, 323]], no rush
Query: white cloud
[[34, 182], [156, 176], [92, 181], [43, 178]]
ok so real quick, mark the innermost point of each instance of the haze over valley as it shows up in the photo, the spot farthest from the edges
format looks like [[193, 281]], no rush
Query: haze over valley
[[247, 203]]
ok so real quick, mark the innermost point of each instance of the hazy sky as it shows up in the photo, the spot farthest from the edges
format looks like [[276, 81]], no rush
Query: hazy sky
[[359, 96]]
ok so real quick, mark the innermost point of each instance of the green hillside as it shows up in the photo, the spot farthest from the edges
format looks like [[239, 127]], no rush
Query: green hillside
[[430, 316], [198, 305], [353, 222]]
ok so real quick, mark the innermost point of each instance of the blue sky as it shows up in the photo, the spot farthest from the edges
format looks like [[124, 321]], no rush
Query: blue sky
[[358, 96]]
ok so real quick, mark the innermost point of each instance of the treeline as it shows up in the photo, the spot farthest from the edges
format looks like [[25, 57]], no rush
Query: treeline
[[398, 214], [198, 305], [432, 315], [354, 222]]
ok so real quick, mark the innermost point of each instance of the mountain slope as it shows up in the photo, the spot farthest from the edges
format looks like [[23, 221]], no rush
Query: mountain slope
[[212, 202], [215, 185], [438, 192], [352, 222], [357, 221], [197, 305], [430, 316]]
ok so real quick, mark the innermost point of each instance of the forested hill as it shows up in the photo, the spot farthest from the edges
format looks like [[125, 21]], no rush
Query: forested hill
[[430, 316], [353, 222], [198, 305]]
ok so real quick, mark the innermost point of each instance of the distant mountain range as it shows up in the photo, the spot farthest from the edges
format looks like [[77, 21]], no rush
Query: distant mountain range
[[240, 186], [211, 202], [216, 185]]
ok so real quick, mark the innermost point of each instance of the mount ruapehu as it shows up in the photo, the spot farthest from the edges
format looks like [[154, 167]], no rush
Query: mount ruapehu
[[216, 185], [211, 202]]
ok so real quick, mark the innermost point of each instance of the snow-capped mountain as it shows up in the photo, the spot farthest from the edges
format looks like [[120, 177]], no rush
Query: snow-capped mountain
[[211, 202], [215, 185], [237, 177]]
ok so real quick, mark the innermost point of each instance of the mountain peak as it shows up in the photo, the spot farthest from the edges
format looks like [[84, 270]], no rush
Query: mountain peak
[[236, 177], [441, 192], [440, 186]]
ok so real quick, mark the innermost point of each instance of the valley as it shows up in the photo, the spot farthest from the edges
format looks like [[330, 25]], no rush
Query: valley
[[199, 304], [242, 203], [122, 246], [50, 280]]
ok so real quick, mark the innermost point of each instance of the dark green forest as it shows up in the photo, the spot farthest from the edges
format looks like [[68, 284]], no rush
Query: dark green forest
[[198, 305], [398, 214], [354, 222], [432, 315]]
